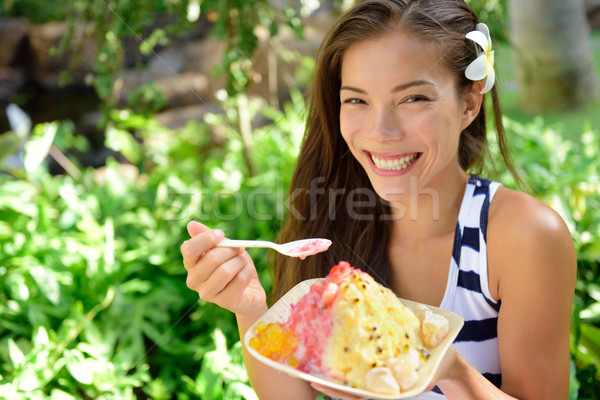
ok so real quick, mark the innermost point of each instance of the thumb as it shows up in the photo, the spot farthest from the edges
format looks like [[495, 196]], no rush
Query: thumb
[[194, 228]]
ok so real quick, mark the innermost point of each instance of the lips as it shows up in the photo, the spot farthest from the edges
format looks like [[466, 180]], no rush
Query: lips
[[399, 162]]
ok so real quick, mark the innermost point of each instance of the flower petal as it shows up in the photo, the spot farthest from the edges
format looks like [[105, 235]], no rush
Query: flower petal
[[490, 62], [478, 38], [489, 82], [477, 70], [483, 28]]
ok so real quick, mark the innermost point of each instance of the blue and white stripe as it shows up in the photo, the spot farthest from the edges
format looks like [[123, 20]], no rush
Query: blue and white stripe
[[467, 291]]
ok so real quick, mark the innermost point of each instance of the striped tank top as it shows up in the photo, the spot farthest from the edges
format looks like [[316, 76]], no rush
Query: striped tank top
[[467, 291]]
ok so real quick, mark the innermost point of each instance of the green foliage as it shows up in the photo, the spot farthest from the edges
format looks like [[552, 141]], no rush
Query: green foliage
[[233, 21], [36, 11], [222, 374], [566, 175], [147, 99], [235, 24], [93, 296]]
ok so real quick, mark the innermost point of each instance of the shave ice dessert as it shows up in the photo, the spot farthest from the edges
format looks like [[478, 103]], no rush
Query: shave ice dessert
[[350, 329]]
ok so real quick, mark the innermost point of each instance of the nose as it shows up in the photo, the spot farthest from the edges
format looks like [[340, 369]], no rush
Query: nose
[[385, 125]]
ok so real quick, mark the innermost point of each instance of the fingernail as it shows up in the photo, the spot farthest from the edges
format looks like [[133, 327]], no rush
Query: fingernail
[[218, 233]]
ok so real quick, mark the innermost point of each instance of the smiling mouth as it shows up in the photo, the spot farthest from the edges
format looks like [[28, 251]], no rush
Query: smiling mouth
[[394, 163]]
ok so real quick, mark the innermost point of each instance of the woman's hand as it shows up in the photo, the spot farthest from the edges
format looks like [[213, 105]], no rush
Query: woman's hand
[[224, 276], [450, 363], [457, 379]]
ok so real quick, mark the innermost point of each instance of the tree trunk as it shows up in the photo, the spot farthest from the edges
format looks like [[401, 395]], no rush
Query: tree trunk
[[553, 57]]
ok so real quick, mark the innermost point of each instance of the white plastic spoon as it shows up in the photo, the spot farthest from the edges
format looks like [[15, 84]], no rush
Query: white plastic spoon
[[298, 248]]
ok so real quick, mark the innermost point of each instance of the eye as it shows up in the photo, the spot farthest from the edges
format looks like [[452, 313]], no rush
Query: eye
[[416, 98], [353, 100]]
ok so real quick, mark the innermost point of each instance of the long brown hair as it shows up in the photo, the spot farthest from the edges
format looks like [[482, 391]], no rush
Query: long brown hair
[[328, 179]]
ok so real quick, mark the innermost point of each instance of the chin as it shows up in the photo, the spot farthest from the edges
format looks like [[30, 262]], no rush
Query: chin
[[395, 191]]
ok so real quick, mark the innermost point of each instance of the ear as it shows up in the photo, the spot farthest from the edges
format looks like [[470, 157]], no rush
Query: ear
[[472, 104]]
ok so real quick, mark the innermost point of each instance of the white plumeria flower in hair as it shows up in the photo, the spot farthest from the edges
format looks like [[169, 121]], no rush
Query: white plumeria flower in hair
[[483, 65]]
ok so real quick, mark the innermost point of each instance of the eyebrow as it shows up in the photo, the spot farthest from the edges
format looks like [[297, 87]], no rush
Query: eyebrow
[[396, 89]]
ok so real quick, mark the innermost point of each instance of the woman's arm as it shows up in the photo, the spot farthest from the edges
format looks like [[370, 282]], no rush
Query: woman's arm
[[267, 382], [537, 272], [228, 278], [532, 271]]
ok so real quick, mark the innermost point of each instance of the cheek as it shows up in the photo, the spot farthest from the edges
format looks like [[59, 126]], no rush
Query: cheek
[[354, 118], [436, 129], [349, 126]]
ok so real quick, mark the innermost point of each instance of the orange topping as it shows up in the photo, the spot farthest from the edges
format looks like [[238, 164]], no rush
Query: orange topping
[[254, 343], [260, 327], [273, 341]]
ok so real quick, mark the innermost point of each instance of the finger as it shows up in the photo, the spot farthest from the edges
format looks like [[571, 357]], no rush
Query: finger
[[194, 248], [211, 261], [245, 273], [221, 277], [195, 227], [244, 293]]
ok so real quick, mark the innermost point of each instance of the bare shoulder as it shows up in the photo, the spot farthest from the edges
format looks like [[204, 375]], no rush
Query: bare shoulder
[[512, 210], [516, 217], [526, 236]]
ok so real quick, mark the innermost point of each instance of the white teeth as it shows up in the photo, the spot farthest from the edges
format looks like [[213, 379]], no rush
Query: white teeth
[[395, 164]]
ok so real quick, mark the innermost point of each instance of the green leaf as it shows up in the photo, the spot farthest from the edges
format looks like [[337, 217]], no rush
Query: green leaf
[[123, 142], [238, 390], [27, 381], [590, 313], [46, 282], [38, 145], [590, 337], [18, 287], [6, 230], [213, 363], [57, 394], [157, 37], [19, 196], [587, 352], [41, 337], [79, 367], [14, 352], [593, 290], [9, 144], [136, 285], [573, 382], [109, 245], [157, 390]]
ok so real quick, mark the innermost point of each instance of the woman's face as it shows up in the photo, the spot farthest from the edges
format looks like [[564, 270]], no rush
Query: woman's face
[[400, 114]]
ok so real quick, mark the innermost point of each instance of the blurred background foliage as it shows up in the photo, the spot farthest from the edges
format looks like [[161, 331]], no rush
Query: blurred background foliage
[[93, 301]]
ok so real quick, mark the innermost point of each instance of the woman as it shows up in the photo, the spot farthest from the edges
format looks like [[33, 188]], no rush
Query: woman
[[393, 112]]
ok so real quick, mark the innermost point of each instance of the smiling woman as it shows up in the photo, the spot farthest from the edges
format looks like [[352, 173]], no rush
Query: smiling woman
[[396, 119], [421, 75]]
